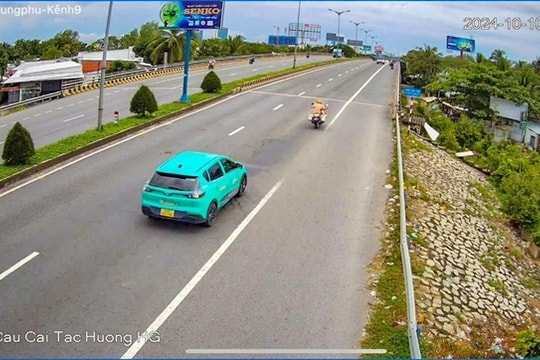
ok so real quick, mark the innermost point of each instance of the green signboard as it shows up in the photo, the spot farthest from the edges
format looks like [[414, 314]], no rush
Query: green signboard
[[367, 47]]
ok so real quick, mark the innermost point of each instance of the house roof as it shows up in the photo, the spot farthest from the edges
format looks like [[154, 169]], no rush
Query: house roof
[[112, 55], [45, 70], [534, 127]]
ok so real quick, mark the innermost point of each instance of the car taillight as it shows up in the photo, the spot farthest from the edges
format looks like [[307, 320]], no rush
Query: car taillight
[[197, 194]]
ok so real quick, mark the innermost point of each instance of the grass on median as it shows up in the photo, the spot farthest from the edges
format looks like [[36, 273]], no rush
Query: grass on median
[[75, 142]]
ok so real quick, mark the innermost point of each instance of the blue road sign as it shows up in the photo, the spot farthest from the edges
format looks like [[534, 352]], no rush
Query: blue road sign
[[413, 92]]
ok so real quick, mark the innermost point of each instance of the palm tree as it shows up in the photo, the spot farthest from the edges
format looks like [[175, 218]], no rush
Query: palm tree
[[234, 45], [499, 58], [173, 42], [480, 58]]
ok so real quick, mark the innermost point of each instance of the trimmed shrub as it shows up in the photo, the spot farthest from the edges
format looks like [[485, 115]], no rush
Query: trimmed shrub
[[143, 102], [19, 146], [211, 83]]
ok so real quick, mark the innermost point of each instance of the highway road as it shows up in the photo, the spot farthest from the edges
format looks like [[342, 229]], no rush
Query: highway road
[[283, 267], [56, 120]]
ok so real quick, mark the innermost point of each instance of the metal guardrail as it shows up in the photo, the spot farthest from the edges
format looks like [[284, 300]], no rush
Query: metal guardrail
[[413, 330], [33, 100]]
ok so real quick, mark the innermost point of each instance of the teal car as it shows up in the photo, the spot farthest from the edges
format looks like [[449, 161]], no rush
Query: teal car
[[191, 187]]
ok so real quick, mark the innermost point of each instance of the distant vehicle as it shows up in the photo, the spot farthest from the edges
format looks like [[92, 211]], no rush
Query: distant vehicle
[[337, 53], [191, 187], [381, 61]]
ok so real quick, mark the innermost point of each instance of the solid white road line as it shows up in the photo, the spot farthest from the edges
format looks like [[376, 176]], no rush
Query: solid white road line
[[319, 85], [1, 126], [233, 74], [351, 99], [73, 118], [302, 93], [277, 107], [26, 118], [237, 130], [18, 265], [59, 108], [1, 142], [160, 320], [36, 115]]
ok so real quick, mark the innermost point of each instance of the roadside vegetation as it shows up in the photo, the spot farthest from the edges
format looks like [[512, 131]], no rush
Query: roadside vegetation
[[512, 168], [163, 111]]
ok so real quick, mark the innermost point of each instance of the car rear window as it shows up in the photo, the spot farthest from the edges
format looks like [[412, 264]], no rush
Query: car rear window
[[174, 181]]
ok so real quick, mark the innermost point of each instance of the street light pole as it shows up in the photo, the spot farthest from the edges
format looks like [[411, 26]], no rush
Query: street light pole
[[103, 68], [356, 32], [339, 13], [365, 42], [297, 30]]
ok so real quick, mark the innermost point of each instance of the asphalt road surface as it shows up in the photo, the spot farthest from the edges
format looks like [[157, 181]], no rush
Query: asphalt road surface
[[283, 267], [56, 120]]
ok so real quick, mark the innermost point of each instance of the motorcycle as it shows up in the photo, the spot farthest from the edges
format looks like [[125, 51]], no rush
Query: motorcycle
[[251, 60], [210, 66], [391, 66], [318, 120]]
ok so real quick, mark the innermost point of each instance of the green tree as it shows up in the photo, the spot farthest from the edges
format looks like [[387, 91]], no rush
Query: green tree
[[234, 45], [211, 83], [520, 198], [423, 64], [19, 146], [143, 102], [51, 53], [172, 42], [468, 133]]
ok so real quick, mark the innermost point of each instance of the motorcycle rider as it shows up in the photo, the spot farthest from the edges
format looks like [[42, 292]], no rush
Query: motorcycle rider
[[318, 108]]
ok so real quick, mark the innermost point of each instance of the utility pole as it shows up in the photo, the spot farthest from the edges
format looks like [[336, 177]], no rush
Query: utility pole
[[103, 68]]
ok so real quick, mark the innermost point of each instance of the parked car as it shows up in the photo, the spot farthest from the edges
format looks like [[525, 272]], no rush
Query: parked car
[[192, 187]]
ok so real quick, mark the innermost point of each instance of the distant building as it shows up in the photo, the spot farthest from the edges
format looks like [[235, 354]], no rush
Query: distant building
[[91, 61], [35, 78], [514, 123]]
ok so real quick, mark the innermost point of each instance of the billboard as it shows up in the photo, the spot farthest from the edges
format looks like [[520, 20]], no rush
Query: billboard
[[191, 15], [281, 40], [379, 49], [355, 42], [331, 37], [460, 44]]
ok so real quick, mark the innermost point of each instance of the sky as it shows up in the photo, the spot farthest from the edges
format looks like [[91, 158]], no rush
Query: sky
[[398, 26]]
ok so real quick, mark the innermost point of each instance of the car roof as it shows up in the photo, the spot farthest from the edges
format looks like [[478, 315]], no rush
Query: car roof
[[188, 163]]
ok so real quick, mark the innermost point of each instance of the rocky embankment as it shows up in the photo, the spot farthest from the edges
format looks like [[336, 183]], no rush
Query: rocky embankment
[[476, 286]]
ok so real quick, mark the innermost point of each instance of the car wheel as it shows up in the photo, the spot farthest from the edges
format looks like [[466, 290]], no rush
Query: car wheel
[[211, 214], [242, 188]]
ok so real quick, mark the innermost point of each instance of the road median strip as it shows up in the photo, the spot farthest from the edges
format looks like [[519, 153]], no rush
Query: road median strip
[[60, 151]]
